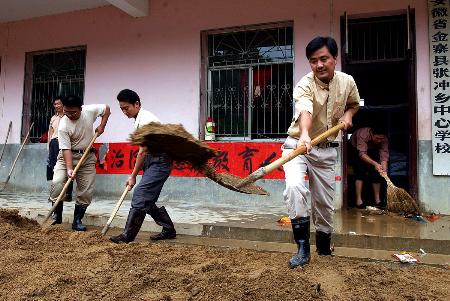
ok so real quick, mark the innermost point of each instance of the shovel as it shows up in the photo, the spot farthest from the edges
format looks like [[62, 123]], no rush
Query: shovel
[[63, 191], [17, 157], [6, 140], [114, 212], [259, 173]]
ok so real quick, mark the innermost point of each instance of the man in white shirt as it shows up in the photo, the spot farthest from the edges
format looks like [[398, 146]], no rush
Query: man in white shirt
[[75, 132], [53, 151], [156, 169], [322, 98]]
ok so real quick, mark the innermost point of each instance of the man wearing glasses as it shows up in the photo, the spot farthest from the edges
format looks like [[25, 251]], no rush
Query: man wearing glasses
[[75, 132]]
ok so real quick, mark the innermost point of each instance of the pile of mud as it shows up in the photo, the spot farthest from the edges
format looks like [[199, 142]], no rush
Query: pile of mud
[[58, 264], [173, 140]]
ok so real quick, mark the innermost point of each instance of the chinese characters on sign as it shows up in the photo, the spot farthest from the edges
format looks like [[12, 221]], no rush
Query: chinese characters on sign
[[439, 30], [238, 158]]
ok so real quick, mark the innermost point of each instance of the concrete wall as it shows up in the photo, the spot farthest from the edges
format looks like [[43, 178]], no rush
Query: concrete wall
[[159, 55]]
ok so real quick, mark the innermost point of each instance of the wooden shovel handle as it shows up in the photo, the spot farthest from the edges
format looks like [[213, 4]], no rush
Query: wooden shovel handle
[[20, 151], [6, 140], [66, 186], [302, 149], [260, 172], [115, 210]]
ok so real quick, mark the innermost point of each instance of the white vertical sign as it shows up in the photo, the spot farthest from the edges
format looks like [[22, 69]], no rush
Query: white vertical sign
[[439, 29]]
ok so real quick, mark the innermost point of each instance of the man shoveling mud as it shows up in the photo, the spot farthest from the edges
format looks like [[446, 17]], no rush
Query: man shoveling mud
[[75, 131], [322, 98], [156, 171]]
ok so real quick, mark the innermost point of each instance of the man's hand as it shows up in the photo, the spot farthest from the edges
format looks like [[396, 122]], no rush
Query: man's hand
[[70, 173], [306, 141], [131, 182], [347, 121], [100, 129]]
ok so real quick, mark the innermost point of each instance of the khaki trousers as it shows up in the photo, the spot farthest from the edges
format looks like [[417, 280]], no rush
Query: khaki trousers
[[319, 164], [85, 178]]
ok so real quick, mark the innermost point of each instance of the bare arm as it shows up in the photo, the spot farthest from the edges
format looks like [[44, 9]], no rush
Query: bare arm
[[137, 167], [67, 154], [347, 118], [49, 136], [305, 125], [101, 128], [379, 167]]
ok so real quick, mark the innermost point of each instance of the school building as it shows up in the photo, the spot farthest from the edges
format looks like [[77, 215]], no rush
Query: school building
[[236, 62]]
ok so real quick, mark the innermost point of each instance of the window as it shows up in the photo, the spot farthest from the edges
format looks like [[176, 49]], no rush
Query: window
[[47, 75], [250, 81]]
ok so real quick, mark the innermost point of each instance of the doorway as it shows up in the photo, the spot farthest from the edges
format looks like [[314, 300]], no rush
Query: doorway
[[380, 57]]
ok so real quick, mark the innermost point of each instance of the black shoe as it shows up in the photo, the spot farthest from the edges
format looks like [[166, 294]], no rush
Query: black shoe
[[57, 214], [162, 218], [380, 206], [323, 241], [165, 234], [300, 229], [78, 215], [362, 206], [134, 222]]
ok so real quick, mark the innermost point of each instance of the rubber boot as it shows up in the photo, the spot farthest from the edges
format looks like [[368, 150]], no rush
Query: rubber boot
[[323, 241], [68, 196], [162, 218], [134, 222], [300, 229], [57, 214], [78, 215]]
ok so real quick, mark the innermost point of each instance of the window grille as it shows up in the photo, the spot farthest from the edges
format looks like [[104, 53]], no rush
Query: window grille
[[250, 82], [377, 39], [49, 74]]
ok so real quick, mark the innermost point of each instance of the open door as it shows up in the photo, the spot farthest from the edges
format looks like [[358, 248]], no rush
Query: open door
[[378, 53]]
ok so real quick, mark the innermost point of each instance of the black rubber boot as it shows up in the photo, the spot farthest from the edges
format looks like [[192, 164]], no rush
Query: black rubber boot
[[323, 241], [78, 215], [57, 214], [162, 218], [134, 222], [300, 229]]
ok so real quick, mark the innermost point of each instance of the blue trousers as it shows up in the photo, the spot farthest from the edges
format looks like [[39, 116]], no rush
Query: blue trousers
[[156, 172]]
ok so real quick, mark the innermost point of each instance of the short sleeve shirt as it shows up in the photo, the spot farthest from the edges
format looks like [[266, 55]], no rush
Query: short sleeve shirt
[[326, 102], [144, 117], [77, 134], [362, 140], [54, 124]]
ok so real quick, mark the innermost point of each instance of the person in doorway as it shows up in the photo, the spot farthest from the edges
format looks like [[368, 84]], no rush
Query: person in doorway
[[156, 169], [323, 98], [53, 150], [371, 145], [75, 132]]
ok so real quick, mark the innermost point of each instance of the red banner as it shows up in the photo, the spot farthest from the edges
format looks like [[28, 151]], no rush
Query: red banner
[[238, 158]]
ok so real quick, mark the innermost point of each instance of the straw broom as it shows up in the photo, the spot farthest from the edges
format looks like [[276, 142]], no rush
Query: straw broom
[[398, 200]]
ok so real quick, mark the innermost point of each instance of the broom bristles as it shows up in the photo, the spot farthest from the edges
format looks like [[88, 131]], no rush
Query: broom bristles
[[399, 201]]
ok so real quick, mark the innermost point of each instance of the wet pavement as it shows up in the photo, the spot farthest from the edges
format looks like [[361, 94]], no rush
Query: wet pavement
[[354, 229]]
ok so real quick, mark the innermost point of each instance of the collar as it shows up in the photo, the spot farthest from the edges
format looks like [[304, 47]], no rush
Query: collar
[[323, 85]]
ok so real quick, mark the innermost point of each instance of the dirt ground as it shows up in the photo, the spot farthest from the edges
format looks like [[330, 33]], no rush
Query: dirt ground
[[56, 264]]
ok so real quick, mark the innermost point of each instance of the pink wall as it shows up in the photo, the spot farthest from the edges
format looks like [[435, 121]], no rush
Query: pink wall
[[159, 55]]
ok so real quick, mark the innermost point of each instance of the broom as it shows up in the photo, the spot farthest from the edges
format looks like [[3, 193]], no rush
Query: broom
[[398, 200]]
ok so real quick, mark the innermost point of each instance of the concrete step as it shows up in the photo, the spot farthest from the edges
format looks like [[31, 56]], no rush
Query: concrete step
[[263, 234]]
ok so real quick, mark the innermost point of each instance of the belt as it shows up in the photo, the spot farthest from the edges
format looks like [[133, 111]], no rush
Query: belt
[[80, 151], [328, 144]]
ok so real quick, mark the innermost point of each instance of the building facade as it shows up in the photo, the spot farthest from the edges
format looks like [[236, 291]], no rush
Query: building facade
[[234, 61]]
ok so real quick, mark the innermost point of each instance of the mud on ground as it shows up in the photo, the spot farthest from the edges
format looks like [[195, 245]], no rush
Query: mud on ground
[[56, 264]]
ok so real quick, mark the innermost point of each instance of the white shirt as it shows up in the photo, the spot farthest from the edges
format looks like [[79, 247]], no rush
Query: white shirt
[[77, 134], [144, 117]]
